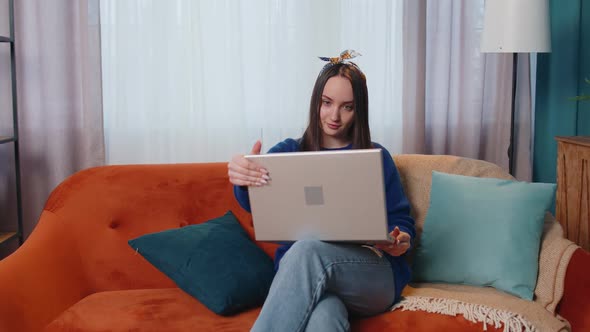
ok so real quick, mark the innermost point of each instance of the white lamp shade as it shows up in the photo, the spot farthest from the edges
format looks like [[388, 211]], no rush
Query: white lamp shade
[[516, 26]]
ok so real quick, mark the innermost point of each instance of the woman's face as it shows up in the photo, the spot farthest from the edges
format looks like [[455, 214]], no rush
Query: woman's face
[[337, 112]]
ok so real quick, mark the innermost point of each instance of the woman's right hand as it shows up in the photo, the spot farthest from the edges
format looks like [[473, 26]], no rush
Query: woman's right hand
[[243, 172]]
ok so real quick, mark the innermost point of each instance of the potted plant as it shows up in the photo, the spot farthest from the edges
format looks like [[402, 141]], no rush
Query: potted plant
[[583, 97]]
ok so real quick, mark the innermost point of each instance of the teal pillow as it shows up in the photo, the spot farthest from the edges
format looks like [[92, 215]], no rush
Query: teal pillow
[[483, 232], [215, 262]]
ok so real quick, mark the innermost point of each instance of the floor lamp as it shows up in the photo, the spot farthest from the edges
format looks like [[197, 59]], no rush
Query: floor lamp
[[515, 26]]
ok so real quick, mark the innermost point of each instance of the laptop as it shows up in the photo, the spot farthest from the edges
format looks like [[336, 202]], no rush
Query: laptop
[[324, 195]]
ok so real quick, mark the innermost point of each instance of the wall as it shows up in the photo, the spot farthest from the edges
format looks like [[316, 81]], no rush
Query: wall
[[560, 76]]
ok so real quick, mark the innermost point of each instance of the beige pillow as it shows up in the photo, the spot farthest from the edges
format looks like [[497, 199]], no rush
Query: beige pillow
[[416, 176]]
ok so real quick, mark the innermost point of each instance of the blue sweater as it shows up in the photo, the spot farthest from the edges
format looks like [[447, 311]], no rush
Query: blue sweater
[[398, 210]]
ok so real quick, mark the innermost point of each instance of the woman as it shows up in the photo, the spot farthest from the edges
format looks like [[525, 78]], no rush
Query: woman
[[318, 284]]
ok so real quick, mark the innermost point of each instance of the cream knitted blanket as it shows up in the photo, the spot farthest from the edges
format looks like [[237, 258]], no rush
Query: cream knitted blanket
[[484, 304]]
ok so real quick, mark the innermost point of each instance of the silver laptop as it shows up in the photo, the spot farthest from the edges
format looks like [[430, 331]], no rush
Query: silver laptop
[[324, 195]]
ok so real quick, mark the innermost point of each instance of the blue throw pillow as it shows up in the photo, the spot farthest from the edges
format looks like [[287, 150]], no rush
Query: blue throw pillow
[[215, 262], [483, 232]]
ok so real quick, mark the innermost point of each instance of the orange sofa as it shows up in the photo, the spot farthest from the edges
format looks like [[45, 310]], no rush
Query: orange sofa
[[76, 271]]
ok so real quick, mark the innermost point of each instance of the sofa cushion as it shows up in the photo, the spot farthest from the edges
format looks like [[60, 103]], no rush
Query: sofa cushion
[[216, 262], [483, 232], [172, 310]]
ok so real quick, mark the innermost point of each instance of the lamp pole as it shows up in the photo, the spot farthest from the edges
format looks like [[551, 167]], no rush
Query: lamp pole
[[511, 161]]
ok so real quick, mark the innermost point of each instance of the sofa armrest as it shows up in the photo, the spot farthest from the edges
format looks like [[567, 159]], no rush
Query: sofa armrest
[[40, 279], [575, 303]]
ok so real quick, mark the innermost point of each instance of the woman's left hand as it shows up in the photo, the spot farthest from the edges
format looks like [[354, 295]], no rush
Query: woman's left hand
[[399, 244]]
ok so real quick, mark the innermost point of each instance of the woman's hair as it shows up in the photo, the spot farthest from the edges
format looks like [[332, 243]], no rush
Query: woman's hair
[[359, 131]]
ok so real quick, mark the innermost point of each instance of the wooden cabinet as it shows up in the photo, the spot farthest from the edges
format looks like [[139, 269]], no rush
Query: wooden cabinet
[[573, 188]]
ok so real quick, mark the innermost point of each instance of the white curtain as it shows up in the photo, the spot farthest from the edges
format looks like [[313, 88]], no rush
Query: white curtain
[[457, 100], [189, 81], [192, 81]]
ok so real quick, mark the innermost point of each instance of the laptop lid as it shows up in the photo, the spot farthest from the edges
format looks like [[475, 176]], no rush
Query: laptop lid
[[326, 195]]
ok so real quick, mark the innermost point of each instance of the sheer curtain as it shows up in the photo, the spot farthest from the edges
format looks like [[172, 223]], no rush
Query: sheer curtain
[[59, 99], [456, 99], [58, 61], [467, 111], [191, 81]]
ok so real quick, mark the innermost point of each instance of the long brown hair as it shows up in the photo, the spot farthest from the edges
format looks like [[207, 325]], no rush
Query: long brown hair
[[359, 131]]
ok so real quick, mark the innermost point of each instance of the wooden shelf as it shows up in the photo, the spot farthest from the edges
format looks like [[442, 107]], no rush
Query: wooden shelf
[[8, 39], [6, 139], [5, 236]]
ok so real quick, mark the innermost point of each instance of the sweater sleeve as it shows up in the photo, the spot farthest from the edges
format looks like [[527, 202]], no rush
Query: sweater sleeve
[[241, 195], [398, 205], [241, 192]]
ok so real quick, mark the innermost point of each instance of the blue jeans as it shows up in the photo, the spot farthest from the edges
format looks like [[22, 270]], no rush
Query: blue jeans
[[318, 284]]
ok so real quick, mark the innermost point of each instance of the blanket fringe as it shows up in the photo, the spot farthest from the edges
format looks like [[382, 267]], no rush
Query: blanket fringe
[[475, 313]]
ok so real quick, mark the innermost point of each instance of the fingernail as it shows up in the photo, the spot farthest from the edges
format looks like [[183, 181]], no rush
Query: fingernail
[[265, 177], [263, 181], [263, 170]]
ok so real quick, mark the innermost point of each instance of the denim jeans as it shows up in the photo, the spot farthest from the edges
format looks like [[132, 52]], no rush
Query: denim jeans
[[318, 284]]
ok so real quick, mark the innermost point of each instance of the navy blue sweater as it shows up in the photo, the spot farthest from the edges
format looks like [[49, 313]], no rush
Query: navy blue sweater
[[398, 210]]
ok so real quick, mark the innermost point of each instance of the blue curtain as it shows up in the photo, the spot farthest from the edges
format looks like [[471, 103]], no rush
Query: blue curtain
[[560, 76]]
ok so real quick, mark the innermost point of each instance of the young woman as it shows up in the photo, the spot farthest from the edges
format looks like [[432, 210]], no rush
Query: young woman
[[318, 284]]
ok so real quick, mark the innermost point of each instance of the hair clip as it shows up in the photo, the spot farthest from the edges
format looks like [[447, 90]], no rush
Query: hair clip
[[344, 56]]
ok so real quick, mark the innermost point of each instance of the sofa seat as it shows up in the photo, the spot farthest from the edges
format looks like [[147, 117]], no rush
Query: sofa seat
[[149, 310], [171, 310]]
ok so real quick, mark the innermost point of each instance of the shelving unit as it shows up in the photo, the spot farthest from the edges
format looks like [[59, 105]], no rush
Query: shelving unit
[[6, 237]]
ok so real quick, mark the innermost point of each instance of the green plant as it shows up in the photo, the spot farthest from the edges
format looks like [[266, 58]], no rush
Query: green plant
[[583, 97]]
